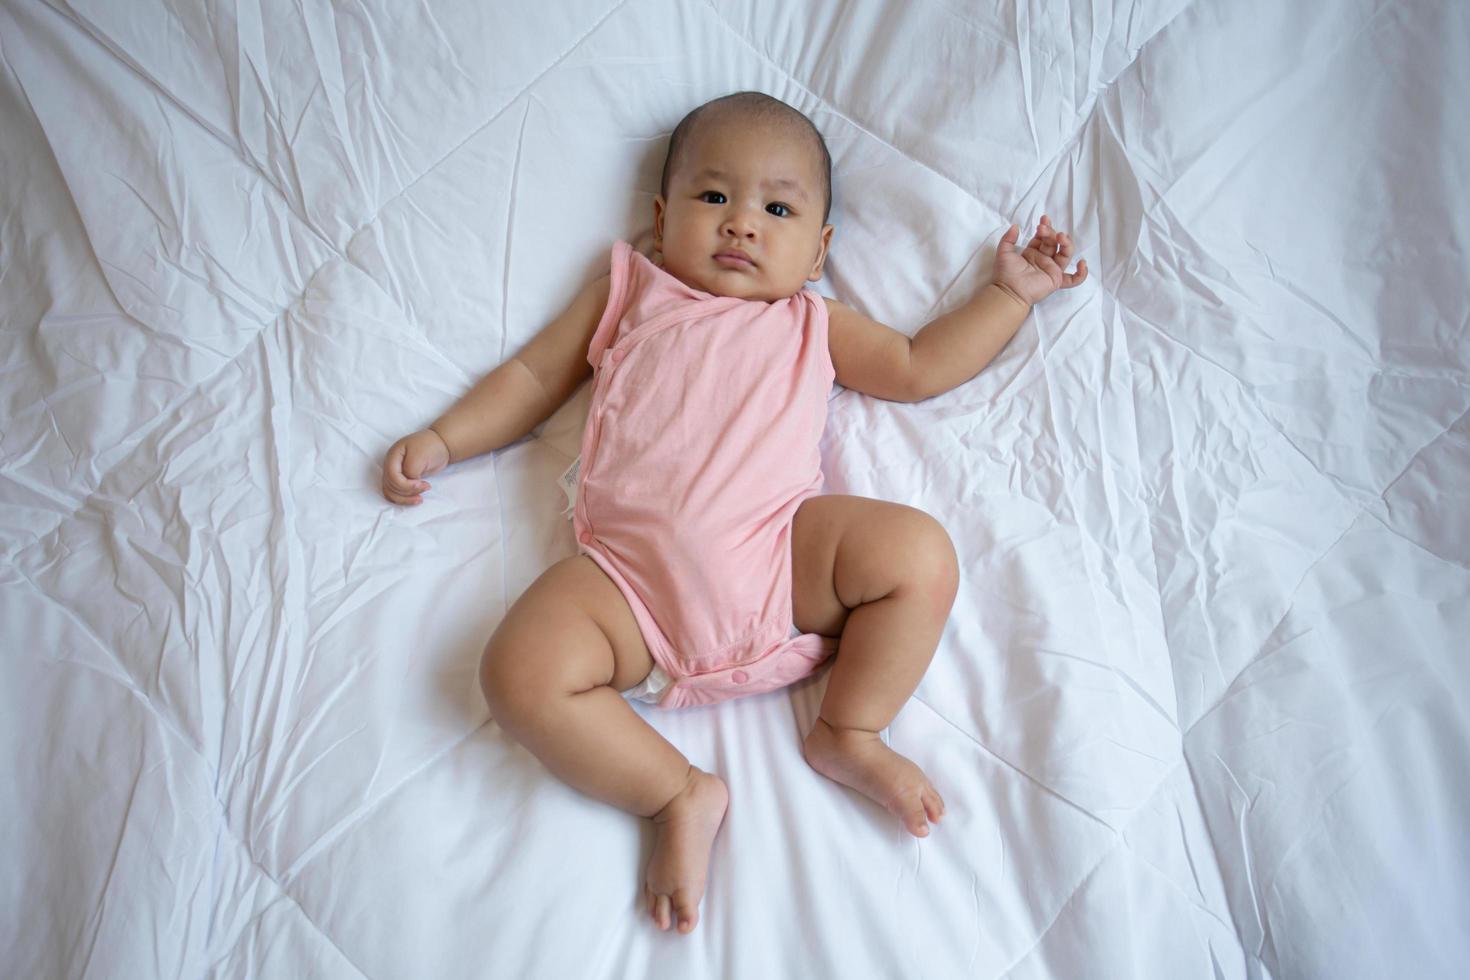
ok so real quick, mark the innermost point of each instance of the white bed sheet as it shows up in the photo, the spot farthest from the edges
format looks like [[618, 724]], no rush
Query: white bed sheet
[[1201, 709]]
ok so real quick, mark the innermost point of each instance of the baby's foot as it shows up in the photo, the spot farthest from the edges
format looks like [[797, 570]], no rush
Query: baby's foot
[[686, 829], [859, 759]]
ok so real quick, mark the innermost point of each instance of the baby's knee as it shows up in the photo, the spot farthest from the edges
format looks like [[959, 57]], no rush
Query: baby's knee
[[509, 681], [933, 565], [495, 670], [533, 663]]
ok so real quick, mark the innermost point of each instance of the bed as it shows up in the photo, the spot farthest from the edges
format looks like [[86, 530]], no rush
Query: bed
[[1202, 706]]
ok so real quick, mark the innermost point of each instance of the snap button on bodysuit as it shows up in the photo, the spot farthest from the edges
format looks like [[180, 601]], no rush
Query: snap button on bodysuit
[[585, 537], [617, 356], [740, 677]]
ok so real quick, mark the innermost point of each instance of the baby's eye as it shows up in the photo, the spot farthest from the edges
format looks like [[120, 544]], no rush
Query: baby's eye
[[712, 197], [778, 209]]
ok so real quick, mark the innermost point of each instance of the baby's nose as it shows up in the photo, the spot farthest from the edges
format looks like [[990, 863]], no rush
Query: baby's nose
[[740, 225]]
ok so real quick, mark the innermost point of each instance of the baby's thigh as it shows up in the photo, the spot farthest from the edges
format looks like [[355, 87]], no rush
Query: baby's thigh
[[571, 631], [847, 550]]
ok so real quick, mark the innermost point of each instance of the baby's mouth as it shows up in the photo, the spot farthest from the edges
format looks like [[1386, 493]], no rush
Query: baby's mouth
[[734, 260]]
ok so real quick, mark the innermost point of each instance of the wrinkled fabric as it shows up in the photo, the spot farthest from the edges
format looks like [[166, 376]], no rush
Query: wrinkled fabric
[[1202, 708]]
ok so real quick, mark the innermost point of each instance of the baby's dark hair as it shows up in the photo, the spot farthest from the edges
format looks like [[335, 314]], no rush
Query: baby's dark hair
[[760, 108]]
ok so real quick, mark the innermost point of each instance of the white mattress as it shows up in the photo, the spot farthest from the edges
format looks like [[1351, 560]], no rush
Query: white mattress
[[1203, 703]]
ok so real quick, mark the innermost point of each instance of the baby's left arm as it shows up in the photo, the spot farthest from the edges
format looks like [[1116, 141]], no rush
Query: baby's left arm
[[879, 361]]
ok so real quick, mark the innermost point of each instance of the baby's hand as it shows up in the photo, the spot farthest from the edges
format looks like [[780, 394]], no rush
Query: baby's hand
[[421, 454], [1034, 274]]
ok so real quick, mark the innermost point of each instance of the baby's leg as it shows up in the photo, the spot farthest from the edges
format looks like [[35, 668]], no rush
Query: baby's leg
[[882, 576], [552, 673]]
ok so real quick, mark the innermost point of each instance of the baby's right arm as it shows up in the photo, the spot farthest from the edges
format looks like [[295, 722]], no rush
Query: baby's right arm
[[505, 405]]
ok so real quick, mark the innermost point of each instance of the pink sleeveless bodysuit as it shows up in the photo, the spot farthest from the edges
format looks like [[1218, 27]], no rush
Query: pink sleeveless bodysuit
[[701, 442]]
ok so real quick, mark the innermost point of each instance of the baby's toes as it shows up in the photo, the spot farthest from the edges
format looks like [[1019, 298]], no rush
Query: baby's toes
[[933, 805], [686, 912], [661, 911], [909, 809]]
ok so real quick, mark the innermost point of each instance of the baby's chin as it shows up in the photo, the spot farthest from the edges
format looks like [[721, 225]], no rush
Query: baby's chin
[[736, 285]]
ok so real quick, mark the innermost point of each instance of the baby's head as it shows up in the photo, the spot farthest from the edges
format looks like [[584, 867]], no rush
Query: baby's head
[[742, 208]]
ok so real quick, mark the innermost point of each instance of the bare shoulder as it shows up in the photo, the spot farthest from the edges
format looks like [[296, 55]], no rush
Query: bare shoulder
[[868, 356]]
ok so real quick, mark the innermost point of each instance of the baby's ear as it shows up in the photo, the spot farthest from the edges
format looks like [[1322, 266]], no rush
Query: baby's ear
[[658, 220], [826, 243]]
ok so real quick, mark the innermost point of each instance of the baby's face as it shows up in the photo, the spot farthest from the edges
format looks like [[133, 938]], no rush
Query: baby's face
[[744, 212]]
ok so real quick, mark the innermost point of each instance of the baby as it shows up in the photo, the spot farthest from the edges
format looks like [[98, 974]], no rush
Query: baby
[[709, 563]]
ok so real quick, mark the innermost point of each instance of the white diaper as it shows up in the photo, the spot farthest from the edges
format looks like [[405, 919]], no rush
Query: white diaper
[[568, 483], [651, 688]]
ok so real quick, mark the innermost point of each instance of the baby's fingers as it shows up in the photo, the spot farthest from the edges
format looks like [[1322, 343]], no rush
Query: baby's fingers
[[1009, 239], [403, 498], [1070, 279], [397, 487], [403, 501], [1045, 239], [402, 494]]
